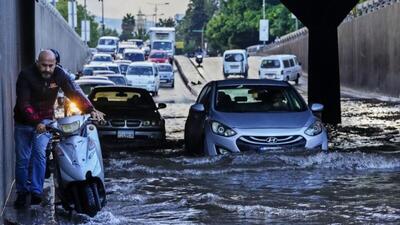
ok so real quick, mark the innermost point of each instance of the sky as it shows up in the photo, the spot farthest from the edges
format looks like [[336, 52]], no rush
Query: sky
[[116, 9]]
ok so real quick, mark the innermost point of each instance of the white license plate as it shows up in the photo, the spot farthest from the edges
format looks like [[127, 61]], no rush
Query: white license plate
[[126, 134], [163, 81], [234, 67]]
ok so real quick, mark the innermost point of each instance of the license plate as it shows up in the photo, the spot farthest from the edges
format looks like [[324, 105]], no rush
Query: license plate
[[163, 81], [234, 67], [126, 134]]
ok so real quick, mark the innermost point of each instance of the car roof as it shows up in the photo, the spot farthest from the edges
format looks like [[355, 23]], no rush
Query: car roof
[[117, 87], [235, 51], [102, 54], [113, 75], [94, 65], [278, 57], [142, 64], [94, 81], [109, 37], [229, 82], [133, 50]]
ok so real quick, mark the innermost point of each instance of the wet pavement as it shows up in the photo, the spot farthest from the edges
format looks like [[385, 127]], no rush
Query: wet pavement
[[356, 182]]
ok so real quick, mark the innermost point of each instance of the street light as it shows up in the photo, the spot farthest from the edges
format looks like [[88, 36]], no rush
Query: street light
[[102, 16], [155, 10]]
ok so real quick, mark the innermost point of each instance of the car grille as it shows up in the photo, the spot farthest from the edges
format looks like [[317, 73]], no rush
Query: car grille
[[247, 143], [121, 123]]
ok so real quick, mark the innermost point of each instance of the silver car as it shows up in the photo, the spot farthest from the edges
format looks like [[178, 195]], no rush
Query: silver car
[[241, 115]]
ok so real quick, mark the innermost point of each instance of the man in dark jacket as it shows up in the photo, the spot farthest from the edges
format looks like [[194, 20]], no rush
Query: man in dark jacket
[[37, 88]]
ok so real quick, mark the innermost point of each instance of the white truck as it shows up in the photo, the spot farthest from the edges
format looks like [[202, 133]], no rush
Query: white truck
[[163, 38]]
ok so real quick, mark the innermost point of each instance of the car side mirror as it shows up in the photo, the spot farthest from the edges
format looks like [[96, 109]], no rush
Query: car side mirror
[[162, 106], [198, 108], [316, 107]]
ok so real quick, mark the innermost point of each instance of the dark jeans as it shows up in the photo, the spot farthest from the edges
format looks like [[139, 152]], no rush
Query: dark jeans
[[30, 164]]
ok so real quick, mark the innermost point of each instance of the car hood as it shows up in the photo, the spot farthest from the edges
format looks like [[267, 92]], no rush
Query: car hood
[[265, 120]]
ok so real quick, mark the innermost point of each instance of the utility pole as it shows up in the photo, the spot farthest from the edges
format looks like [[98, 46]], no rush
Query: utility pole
[[264, 16], [84, 15], [156, 9], [102, 16]]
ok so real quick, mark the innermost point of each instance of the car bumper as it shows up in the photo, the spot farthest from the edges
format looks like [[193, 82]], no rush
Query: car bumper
[[148, 87], [166, 81], [142, 136], [295, 139]]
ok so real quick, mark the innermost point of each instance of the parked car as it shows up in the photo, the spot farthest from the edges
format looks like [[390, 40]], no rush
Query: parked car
[[118, 79], [159, 56], [235, 62], [240, 115], [123, 65], [132, 117], [134, 55], [144, 75], [280, 67], [101, 58], [89, 69], [88, 84], [166, 73]]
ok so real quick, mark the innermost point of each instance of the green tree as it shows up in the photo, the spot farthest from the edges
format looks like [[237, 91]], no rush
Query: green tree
[[128, 26], [109, 32], [62, 7], [141, 34], [170, 22]]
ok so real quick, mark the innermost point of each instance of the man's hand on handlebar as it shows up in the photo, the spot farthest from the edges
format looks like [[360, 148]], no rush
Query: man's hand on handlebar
[[97, 115]]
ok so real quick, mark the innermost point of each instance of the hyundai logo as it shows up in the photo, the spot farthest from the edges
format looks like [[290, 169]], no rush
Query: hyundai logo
[[271, 140]]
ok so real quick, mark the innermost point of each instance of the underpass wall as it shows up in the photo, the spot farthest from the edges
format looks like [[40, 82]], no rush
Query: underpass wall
[[52, 31], [10, 64], [369, 51], [24, 33]]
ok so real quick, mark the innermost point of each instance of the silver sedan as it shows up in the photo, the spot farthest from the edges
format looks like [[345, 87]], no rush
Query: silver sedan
[[241, 115]]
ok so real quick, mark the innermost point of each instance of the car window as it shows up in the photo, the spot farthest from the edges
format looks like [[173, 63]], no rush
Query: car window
[[123, 68], [291, 61], [248, 98], [118, 80], [107, 42], [102, 58], [270, 63], [162, 45], [115, 69], [165, 68], [123, 99], [204, 97], [87, 71], [134, 57], [237, 57], [286, 63], [140, 70]]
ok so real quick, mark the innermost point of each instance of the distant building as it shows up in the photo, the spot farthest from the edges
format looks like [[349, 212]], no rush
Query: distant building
[[140, 21]]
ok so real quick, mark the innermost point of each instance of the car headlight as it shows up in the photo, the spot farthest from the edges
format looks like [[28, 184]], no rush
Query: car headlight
[[70, 127], [151, 123], [315, 128], [222, 130]]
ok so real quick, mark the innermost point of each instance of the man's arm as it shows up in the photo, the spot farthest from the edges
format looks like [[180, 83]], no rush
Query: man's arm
[[24, 100]]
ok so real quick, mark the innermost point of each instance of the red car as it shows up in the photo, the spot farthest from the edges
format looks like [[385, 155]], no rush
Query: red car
[[159, 56]]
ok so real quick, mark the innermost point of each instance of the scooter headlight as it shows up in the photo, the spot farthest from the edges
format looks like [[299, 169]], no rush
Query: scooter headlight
[[315, 128], [70, 127], [220, 129]]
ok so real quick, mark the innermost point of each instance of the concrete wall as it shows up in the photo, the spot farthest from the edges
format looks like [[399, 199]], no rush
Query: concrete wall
[[369, 51], [10, 61], [17, 49], [52, 31]]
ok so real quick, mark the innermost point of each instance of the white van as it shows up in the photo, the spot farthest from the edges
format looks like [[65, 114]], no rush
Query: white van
[[107, 44], [235, 62], [144, 75], [280, 67]]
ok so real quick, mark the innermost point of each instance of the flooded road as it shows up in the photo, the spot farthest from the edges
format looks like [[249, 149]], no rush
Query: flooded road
[[357, 182]]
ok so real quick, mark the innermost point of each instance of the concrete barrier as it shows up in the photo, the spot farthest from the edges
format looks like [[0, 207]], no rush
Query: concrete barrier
[[369, 50]]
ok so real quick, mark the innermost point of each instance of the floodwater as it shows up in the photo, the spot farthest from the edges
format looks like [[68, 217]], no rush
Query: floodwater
[[357, 182]]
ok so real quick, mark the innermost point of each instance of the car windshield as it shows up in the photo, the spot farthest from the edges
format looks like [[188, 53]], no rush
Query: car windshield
[[121, 50], [134, 57], [270, 63], [237, 57], [123, 68], [256, 98], [107, 42], [115, 69], [87, 88], [162, 45], [102, 58], [158, 55], [165, 68], [123, 99], [140, 70], [117, 80]]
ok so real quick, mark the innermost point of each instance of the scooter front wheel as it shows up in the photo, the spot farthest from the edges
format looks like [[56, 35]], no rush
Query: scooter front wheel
[[93, 204]]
